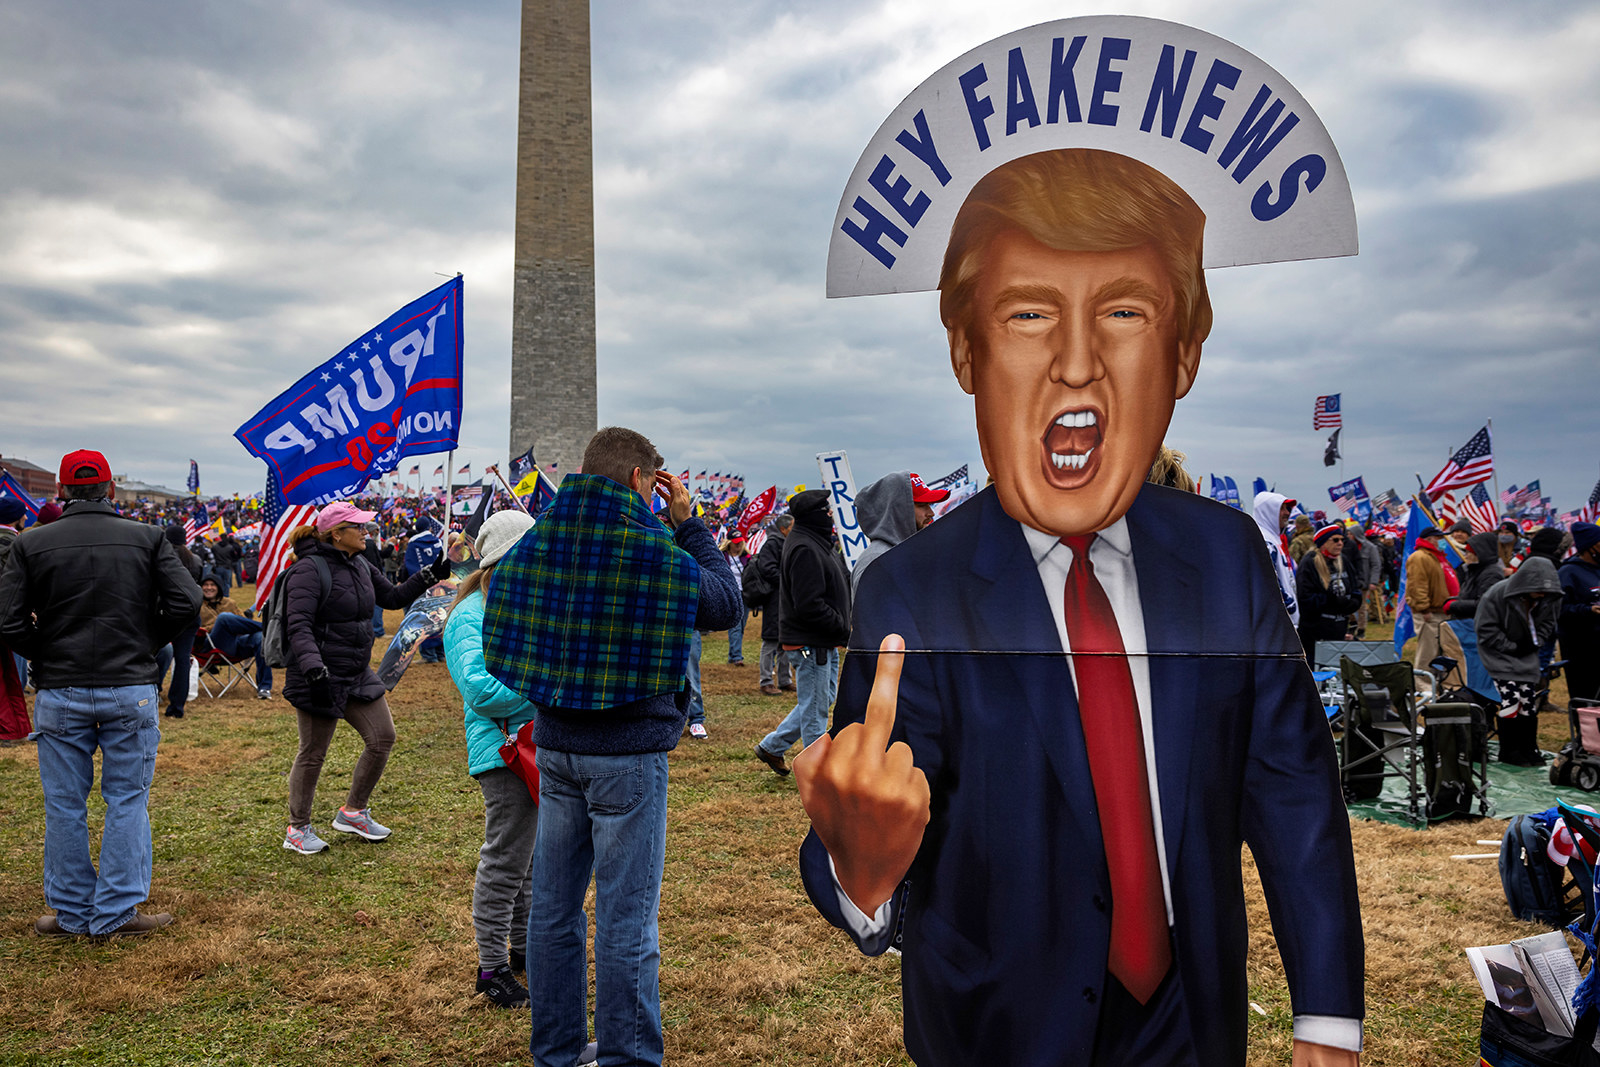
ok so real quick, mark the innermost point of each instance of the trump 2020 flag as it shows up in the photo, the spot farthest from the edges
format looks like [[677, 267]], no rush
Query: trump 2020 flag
[[392, 393]]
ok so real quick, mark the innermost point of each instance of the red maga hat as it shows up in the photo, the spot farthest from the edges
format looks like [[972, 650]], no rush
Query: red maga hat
[[73, 462], [921, 494]]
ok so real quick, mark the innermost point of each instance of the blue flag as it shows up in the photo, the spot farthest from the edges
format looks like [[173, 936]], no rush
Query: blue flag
[[194, 477], [394, 392], [10, 487], [1405, 627]]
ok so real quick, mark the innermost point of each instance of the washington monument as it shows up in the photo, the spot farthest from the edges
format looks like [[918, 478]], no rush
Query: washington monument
[[552, 316]]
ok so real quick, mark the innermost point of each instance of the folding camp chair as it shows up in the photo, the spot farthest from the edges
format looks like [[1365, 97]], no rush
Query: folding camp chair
[[1380, 739], [1455, 735], [220, 672], [1325, 672]]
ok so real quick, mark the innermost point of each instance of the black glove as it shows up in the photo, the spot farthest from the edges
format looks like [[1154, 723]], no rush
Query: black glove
[[440, 568], [320, 691]]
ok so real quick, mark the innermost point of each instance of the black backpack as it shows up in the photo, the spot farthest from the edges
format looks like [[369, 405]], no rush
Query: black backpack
[[274, 624], [1533, 884], [755, 589]]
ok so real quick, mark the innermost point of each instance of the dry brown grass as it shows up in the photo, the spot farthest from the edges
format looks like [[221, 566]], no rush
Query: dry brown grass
[[365, 954]]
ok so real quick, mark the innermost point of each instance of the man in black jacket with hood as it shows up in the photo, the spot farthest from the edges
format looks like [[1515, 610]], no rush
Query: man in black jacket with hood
[[89, 599], [813, 624]]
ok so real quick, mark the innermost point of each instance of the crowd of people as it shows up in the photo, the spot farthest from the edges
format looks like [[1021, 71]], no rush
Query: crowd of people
[[596, 670]]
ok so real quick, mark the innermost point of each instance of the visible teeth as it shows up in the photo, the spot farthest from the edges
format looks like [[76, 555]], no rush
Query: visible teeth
[[1073, 461], [1074, 419]]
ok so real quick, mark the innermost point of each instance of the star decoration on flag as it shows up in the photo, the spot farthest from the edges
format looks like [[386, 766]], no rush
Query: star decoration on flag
[[339, 366], [327, 377], [365, 346]]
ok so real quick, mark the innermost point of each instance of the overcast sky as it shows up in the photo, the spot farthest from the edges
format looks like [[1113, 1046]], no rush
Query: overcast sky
[[201, 201]]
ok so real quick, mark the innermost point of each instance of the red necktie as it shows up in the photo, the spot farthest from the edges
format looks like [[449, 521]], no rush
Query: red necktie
[[1140, 952]]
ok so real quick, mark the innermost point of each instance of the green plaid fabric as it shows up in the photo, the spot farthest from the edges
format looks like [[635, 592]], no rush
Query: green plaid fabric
[[595, 605]]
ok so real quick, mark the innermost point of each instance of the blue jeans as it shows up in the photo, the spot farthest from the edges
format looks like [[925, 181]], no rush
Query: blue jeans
[[71, 723], [816, 683], [177, 655], [236, 636], [736, 638], [608, 815], [377, 620], [697, 703]]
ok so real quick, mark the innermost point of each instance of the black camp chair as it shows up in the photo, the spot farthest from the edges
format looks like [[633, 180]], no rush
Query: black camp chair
[[1380, 739], [1454, 745]]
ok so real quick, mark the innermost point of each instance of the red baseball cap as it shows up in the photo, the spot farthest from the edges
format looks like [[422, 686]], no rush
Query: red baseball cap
[[921, 494], [84, 457]]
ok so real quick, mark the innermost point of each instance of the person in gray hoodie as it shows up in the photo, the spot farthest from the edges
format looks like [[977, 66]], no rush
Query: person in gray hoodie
[[1513, 619], [890, 510]]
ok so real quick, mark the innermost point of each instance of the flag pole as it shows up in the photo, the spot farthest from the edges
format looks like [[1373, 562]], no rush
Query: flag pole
[[512, 493], [449, 466], [1495, 471]]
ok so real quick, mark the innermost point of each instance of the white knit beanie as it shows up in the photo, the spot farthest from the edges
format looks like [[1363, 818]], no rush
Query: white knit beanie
[[500, 531]]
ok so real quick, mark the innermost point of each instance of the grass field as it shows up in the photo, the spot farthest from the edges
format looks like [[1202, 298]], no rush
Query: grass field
[[364, 954]]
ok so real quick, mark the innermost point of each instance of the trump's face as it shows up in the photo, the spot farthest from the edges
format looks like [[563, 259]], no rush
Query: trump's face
[[1074, 362]]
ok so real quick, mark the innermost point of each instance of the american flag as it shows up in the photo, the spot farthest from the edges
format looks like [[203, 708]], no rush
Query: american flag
[[278, 520], [438, 470], [197, 523], [416, 468], [467, 470], [1473, 464], [1325, 413], [1592, 509], [1479, 510], [1444, 509], [954, 478]]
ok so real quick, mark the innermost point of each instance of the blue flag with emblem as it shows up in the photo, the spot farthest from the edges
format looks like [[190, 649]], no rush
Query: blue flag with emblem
[[392, 393], [10, 487]]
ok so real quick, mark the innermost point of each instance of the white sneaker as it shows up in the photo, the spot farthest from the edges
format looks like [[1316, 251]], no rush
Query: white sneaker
[[697, 730]]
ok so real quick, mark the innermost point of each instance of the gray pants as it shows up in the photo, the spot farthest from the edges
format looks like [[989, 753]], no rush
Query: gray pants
[[505, 866], [376, 727], [774, 662]]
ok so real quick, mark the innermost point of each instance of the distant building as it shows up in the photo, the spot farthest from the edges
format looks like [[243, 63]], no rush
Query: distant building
[[36, 481], [130, 490]]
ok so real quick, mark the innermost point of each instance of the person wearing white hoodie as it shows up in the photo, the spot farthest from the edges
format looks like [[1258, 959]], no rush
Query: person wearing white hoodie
[[1271, 511]]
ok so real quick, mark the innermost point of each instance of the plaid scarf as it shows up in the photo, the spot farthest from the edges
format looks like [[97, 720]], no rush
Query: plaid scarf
[[594, 606]]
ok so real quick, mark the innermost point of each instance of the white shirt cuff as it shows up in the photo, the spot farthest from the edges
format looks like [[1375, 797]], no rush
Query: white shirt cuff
[[1330, 1030], [871, 932]]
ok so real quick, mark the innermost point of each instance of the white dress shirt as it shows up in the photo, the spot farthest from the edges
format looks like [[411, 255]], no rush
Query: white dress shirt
[[1112, 557]]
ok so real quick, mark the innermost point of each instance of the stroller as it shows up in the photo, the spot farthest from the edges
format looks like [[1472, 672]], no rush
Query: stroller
[[1578, 762]]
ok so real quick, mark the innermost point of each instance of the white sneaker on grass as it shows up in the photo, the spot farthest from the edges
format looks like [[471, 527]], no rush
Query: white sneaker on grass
[[304, 841], [697, 730], [361, 823]]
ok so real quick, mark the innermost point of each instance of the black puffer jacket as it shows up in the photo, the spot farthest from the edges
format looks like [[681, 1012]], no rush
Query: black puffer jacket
[[814, 597], [107, 592], [338, 633], [767, 565]]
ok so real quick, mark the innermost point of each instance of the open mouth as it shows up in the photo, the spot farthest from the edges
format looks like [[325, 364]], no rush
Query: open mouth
[[1071, 447]]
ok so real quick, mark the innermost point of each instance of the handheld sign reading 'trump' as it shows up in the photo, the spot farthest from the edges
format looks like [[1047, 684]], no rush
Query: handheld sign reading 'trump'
[[1223, 125]]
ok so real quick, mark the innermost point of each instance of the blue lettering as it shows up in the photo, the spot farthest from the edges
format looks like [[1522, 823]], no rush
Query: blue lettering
[[878, 225], [1062, 84], [1254, 139], [921, 146], [833, 462], [1313, 168], [1167, 90], [895, 192], [1107, 81], [1208, 105], [1019, 94], [977, 109]]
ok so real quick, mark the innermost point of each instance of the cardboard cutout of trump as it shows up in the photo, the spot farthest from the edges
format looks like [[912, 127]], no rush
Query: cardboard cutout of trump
[[1069, 703]]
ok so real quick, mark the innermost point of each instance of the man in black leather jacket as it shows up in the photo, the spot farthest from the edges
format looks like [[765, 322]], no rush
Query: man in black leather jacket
[[89, 599]]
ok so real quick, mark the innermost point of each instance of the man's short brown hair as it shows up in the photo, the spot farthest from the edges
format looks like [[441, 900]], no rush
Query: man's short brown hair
[[615, 451], [1080, 200]]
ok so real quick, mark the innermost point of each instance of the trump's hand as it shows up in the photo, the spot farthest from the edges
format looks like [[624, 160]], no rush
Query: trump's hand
[[867, 801], [1308, 1055]]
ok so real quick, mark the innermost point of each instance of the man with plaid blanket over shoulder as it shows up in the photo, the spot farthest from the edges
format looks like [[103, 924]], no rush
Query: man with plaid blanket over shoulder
[[590, 616]]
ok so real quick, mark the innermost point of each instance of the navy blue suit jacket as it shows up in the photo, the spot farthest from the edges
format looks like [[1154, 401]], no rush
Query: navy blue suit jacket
[[1005, 911]]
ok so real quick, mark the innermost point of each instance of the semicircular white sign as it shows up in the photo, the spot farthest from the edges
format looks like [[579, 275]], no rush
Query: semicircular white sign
[[1223, 125]]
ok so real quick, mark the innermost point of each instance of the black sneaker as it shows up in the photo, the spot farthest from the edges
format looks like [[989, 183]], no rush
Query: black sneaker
[[503, 988]]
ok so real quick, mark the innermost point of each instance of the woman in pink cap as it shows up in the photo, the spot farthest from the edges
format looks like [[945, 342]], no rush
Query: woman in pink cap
[[330, 594]]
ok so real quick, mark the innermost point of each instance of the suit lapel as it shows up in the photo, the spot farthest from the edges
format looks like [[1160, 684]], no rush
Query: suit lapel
[[1014, 616], [1169, 593]]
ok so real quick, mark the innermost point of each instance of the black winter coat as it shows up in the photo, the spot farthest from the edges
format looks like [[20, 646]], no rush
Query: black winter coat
[[1324, 612], [337, 634], [107, 591], [814, 597], [769, 565]]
